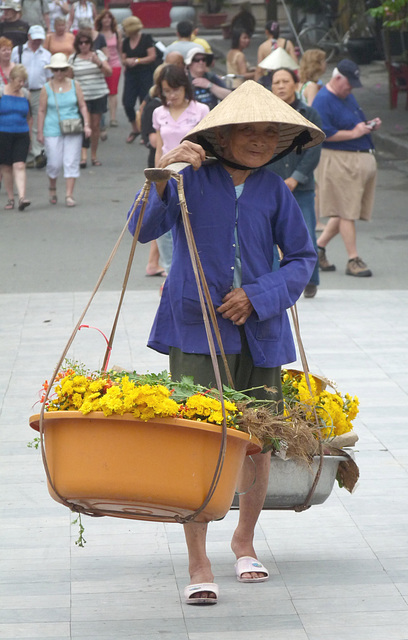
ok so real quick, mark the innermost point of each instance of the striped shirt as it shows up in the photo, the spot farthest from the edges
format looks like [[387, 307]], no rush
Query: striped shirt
[[89, 76]]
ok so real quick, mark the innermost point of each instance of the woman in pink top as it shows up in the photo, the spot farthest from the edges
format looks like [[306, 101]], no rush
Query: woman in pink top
[[179, 112], [106, 24], [172, 121]]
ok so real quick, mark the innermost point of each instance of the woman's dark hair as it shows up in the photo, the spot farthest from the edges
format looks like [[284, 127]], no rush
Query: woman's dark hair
[[235, 37], [289, 71], [175, 78], [273, 28], [81, 35]]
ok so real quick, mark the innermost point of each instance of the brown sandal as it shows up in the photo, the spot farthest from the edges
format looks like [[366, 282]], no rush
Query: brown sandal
[[53, 198], [10, 204]]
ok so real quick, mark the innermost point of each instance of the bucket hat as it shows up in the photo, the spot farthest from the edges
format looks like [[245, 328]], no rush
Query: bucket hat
[[198, 50], [11, 4], [132, 24], [253, 103], [36, 32], [58, 61], [277, 59]]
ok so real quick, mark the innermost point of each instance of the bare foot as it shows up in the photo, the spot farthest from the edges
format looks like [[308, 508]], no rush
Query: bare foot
[[243, 548], [199, 575]]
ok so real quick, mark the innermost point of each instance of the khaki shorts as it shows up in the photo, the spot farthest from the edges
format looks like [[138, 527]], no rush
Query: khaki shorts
[[346, 181]]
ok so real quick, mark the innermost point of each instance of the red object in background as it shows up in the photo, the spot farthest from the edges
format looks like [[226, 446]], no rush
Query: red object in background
[[152, 14]]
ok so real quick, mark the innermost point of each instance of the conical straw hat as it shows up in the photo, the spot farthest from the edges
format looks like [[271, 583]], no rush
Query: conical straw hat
[[253, 103], [277, 59]]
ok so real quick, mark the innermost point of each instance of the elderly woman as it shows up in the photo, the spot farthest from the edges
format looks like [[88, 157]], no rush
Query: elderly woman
[[238, 212], [90, 69], [60, 99], [58, 9], [15, 125], [138, 57], [60, 40]]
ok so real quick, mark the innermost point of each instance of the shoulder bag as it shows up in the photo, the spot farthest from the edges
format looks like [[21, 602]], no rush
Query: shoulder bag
[[70, 126]]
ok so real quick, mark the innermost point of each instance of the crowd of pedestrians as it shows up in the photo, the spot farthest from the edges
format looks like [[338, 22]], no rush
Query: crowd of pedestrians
[[252, 208], [95, 51]]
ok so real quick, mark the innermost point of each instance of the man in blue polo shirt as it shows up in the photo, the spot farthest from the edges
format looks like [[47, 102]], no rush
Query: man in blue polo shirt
[[347, 170]]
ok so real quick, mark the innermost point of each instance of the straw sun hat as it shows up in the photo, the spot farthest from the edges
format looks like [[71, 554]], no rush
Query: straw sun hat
[[277, 59], [58, 61], [253, 103]]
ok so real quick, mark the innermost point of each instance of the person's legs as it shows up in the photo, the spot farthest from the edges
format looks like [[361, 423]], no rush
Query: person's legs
[[245, 376], [165, 246], [95, 121], [7, 171], [347, 230], [35, 148], [53, 150], [332, 229], [19, 172], [71, 157], [305, 200], [130, 93], [153, 268]]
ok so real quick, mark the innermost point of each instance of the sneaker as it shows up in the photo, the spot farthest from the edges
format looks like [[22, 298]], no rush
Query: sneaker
[[324, 264], [357, 267], [310, 290]]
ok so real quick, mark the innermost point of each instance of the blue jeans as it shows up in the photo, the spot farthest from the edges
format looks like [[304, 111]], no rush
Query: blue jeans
[[305, 200]]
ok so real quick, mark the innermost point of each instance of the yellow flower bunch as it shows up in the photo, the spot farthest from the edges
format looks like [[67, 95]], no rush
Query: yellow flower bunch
[[118, 394], [207, 409], [334, 411]]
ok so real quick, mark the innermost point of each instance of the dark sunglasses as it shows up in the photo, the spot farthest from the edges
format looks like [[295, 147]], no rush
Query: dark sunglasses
[[85, 42], [200, 59]]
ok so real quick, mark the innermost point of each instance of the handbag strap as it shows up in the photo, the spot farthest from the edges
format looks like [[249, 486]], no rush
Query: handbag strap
[[56, 101]]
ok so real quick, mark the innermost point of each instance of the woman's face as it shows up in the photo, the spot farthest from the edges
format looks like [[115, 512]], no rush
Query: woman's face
[[59, 74], [60, 27], [84, 45], [244, 41], [284, 86], [250, 144], [174, 97], [5, 54], [107, 21], [17, 83]]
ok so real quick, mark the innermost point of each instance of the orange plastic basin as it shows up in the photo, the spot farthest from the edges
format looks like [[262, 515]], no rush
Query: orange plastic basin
[[160, 469]]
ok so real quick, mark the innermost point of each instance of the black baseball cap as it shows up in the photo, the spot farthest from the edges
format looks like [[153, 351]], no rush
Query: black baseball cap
[[351, 71]]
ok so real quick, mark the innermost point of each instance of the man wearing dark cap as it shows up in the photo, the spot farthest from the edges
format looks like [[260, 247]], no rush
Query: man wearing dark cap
[[347, 171]]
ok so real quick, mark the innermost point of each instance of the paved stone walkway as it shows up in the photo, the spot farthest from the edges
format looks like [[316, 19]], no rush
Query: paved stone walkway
[[338, 571]]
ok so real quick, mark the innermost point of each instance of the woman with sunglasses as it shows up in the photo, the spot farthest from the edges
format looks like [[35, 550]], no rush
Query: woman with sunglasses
[[61, 98], [90, 69]]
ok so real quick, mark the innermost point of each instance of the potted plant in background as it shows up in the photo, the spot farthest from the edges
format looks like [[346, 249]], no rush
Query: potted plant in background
[[393, 15], [213, 16], [361, 44]]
